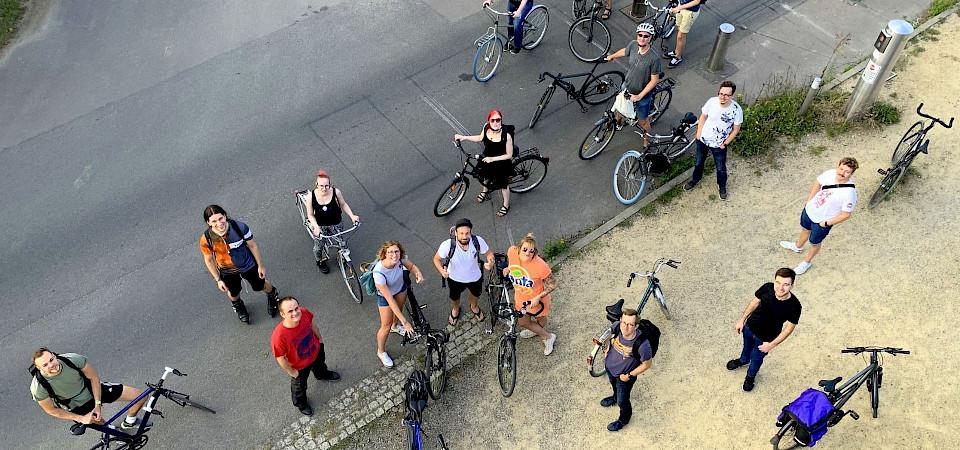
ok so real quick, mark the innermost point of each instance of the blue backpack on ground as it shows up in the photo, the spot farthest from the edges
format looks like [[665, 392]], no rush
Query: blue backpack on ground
[[811, 411]]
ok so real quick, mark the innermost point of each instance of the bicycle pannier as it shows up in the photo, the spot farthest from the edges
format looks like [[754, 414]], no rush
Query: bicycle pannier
[[811, 411]]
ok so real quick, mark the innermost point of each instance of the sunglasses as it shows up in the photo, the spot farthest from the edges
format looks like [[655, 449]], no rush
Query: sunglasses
[[528, 250], [645, 36], [495, 120]]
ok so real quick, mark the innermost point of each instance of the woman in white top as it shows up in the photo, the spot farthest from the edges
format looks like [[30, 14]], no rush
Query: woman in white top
[[392, 294]]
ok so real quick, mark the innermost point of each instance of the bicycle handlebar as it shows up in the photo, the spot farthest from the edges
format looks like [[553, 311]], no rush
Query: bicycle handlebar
[[325, 236], [890, 350], [945, 125], [497, 12], [457, 143], [660, 262]]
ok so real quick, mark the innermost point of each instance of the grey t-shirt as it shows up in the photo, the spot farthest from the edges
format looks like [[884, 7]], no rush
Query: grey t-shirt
[[620, 358], [641, 67], [393, 278], [68, 384]]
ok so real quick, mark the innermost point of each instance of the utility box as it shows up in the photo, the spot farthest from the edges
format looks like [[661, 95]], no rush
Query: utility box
[[886, 50]]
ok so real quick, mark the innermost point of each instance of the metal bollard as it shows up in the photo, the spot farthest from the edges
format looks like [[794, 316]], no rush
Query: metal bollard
[[719, 52], [811, 94], [887, 49], [639, 9]]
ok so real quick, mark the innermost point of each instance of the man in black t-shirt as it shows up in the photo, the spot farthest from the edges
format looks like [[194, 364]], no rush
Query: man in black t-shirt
[[762, 323]]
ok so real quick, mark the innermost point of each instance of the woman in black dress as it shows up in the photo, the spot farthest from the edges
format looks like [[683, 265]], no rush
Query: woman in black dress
[[495, 167]]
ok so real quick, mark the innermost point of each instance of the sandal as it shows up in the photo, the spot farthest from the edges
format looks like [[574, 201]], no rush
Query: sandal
[[503, 211], [454, 319], [478, 315], [606, 14], [483, 196]]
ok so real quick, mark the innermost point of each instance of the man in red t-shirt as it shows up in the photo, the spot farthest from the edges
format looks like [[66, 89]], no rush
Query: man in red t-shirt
[[298, 347]]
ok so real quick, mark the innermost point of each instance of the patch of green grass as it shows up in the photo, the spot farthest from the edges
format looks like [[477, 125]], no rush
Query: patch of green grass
[[712, 197], [10, 13], [838, 128], [917, 50], [664, 199], [679, 166], [939, 6], [626, 222], [893, 95], [770, 119], [883, 113], [862, 59], [552, 249], [315, 432], [817, 150]]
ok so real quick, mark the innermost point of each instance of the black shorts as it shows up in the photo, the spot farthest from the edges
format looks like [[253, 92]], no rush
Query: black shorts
[[109, 393], [234, 286], [457, 288]]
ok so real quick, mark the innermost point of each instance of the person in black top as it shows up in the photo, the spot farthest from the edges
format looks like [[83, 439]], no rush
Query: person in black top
[[495, 166], [762, 323], [325, 216]]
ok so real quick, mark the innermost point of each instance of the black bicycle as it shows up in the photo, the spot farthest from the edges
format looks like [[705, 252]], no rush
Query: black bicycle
[[603, 130], [529, 170], [589, 37], [805, 420], [414, 401], [435, 360], [633, 171], [664, 22], [111, 437], [595, 90], [913, 142]]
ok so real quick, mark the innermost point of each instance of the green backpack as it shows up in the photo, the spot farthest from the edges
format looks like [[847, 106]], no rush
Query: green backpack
[[366, 278]]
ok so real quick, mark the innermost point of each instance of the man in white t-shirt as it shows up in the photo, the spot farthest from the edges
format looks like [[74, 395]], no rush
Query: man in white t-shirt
[[461, 268], [830, 202], [719, 123]]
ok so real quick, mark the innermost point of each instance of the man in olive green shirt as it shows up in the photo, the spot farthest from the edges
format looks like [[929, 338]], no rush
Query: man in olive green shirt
[[78, 402]]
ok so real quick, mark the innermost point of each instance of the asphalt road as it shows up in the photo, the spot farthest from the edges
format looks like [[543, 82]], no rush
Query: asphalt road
[[121, 122]]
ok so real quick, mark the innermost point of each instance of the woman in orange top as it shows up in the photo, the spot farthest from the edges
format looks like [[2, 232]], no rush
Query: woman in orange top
[[532, 282]]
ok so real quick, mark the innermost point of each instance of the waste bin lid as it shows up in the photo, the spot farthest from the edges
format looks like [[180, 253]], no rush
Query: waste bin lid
[[726, 28]]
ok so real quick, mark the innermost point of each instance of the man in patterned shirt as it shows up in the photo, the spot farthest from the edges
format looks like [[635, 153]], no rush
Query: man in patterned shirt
[[719, 123]]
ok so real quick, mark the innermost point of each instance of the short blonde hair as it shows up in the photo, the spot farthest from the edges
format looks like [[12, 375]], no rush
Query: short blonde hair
[[528, 239], [382, 253]]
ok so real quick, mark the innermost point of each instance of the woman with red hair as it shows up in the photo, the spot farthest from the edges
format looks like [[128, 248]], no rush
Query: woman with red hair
[[495, 167]]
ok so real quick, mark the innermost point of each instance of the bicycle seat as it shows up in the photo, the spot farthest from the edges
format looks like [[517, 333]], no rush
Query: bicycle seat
[[615, 311], [689, 118], [830, 385], [77, 429], [417, 406]]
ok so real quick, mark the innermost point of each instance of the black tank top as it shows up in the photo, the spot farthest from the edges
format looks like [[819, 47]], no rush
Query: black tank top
[[328, 214]]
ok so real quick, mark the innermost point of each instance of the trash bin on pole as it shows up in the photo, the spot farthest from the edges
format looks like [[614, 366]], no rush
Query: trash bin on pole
[[886, 50]]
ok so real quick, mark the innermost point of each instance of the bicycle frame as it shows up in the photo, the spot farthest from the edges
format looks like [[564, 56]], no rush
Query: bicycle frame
[[573, 93], [493, 32]]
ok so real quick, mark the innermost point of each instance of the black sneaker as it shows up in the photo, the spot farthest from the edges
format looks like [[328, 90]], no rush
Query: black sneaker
[[272, 302], [331, 376], [241, 311], [136, 424], [723, 193], [748, 383], [616, 425], [322, 265], [735, 364], [515, 50], [609, 401], [690, 185], [305, 409]]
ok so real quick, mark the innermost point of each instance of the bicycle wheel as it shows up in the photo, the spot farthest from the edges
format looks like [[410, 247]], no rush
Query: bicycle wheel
[[589, 39], [603, 87], [598, 138], [663, 302], [547, 95], [529, 173], [786, 437], [436, 365], [875, 392], [579, 8], [535, 26], [507, 366], [667, 25], [630, 177], [597, 364], [184, 401], [909, 139], [487, 59], [498, 297], [890, 180], [661, 101], [674, 150], [451, 196], [351, 279]]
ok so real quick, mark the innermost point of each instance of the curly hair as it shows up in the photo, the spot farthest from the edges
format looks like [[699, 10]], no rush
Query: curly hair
[[382, 253]]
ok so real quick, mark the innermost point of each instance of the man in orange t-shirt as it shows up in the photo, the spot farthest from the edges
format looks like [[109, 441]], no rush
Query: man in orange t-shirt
[[532, 282]]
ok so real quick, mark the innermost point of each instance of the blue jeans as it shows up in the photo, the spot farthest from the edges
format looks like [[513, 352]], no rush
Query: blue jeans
[[518, 33], [719, 158], [751, 353], [621, 392]]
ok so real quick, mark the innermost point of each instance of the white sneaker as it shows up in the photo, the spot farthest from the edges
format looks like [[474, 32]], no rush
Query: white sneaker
[[526, 334], [802, 267], [789, 245], [385, 359], [548, 344], [396, 329]]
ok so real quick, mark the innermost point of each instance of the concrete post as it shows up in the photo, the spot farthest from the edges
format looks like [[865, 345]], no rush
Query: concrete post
[[887, 49], [811, 94], [716, 60]]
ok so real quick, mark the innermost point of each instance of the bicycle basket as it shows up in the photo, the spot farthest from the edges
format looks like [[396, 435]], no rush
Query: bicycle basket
[[811, 411], [659, 163]]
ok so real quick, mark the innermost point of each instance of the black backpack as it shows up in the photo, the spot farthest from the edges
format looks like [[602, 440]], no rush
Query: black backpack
[[648, 332], [60, 402], [453, 243]]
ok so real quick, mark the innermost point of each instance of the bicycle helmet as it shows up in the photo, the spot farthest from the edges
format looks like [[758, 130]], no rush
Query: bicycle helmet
[[646, 28], [415, 391]]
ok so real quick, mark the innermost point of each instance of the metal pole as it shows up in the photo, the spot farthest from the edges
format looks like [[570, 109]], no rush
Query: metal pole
[[811, 94], [887, 49], [719, 52]]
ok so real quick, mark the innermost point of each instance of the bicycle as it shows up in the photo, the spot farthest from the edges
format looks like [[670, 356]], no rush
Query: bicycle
[[588, 37], [110, 434], [595, 90], [830, 401], [490, 45], [601, 342], [414, 402], [664, 22], [337, 241], [529, 170], [435, 341], [913, 142], [634, 169], [603, 130]]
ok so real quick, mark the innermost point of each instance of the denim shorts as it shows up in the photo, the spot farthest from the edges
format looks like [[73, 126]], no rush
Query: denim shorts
[[817, 233], [382, 301], [643, 107]]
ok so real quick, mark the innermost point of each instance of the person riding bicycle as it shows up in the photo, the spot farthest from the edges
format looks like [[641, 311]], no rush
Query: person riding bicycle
[[642, 76], [496, 166], [325, 213], [532, 282], [519, 10], [67, 387], [458, 260]]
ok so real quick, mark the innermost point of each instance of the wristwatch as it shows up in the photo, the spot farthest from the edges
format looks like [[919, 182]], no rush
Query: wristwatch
[[98, 402]]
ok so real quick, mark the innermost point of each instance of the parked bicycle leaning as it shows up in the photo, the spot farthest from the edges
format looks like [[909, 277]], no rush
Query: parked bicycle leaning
[[642, 76], [325, 212], [392, 294], [495, 166], [532, 281]]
